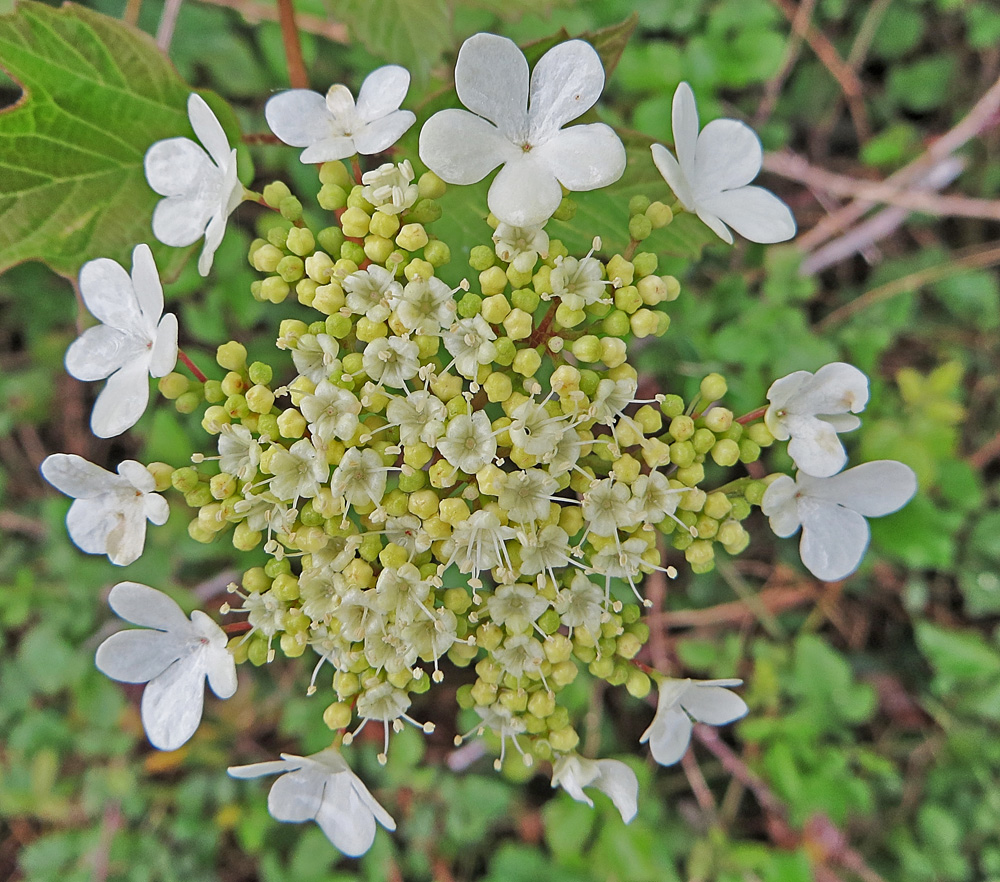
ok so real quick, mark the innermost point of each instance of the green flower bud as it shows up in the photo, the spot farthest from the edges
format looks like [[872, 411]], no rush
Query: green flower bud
[[274, 289], [356, 199], [384, 225], [587, 348], [301, 241], [335, 172], [492, 281], [628, 299], [377, 248], [645, 263], [481, 258], [726, 452], [266, 258], [673, 287], [645, 323], [200, 496], [291, 209], [506, 350], [331, 197], [566, 210], [355, 222], [412, 237], [290, 268], [569, 317], [437, 253], [260, 399], [232, 356], [760, 434], [173, 385], [621, 269], [615, 323], [659, 214], [682, 453], [718, 419], [353, 252], [188, 402], [430, 186], [525, 299], [425, 211], [614, 352], [222, 486], [418, 269], [337, 716], [518, 324], [717, 505], [692, 475], [470, 305], [637, 204], [291, 423], [260, 373], [518, 278], [245, 539], [699, 553], [275, 192], [640, 227], [749, 451], [713, 387], [330, 239], [682, 427], [672, 405]]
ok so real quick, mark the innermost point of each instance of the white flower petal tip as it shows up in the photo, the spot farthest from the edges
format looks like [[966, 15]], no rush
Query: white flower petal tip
[[680, 702], [831, 512], [133, 342], [612, 777], [812, 409], [199, 186], [322, 788], [712, 173], [518, 123], [334, 126], [173, 655], [110, 512]]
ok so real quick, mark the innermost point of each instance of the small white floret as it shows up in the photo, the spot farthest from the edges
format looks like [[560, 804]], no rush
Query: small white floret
[[573, 773]]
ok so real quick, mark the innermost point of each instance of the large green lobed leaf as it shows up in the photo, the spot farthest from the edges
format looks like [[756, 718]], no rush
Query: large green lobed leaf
[[97, 94]]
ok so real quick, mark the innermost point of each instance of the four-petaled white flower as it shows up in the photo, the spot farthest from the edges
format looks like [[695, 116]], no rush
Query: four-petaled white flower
[[173, 655], [811, 409], [131, 344], [832, 512], [335, 127], [201, 188], [521, 127], [110, 512], [573, 772], [680, 701], [712, 171], [322, 788]]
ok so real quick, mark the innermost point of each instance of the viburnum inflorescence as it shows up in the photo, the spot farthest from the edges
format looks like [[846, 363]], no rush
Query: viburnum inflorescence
[[466, 476]]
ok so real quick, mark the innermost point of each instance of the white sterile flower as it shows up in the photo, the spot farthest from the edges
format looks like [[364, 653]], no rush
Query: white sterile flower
[[322, 788], [578, 283], [174, 655], [832, 512], [331, 412], [680, 701], [390, 188], [420, 416], [200, 187], [315, 356], [110, 512], [519, 126], [520, 246], [468, 442], [470, 342], [573, 772], [426, 306], [335, 127], [371, 291], [298, 471], [391, 361], [811, 409], [239, 452], [131, 344], [712, 171]]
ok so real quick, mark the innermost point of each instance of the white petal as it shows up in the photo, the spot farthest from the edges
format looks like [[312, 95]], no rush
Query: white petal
[[786, 390], [573, 773], [619, 782], [76, 476], [524, 193], [258, 770], [372, 804], [172, 703], [815, 446], [296, 796], [89, 522], [728, 155], [99, 351], [667, 166], [461, 148], [329, 149], [781, 506], [491, 79], [383, 133], [755, 213], [213, 238], [156, 509], [137, 475], [834, 540], [382, 92], [163, 355], [842, 422], [712, 221], [123, 399], [180, 221], [220, 667], [837, 388], [107, 291], [174, 165], [137, 655], [147, 287], [566, 82], [208, 129], [343, 817], [668, 736], [145, 606], [584, 157], [341, 108], [684, 121], [714, 705], [127, 538], [872, 488], [298, 117]]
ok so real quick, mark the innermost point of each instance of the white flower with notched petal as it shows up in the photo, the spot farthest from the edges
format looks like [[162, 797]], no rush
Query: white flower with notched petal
[[811, 409], [832, 512], [200, 187], [680, 701], [322, 788], [335, 127], [132, 344], [712, 171], [520, 127], [110, 512], [173, 655], [573, 773]]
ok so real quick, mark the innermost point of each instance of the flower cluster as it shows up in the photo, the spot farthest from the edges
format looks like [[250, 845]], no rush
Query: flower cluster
[[465, 473]]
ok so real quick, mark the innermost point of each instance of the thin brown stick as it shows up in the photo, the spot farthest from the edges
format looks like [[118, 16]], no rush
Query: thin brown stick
[[866, 33], [974, 258], [736, 612], [297, 75], [168, 21], [699, 786], [255, 12], [830, 58], [801, 21], [131, 14], [985, 454]]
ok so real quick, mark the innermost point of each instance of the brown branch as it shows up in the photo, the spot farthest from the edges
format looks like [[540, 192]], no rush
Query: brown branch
[[297, 75], [255, 12], [801, 21], [736, 612], [985, 454]]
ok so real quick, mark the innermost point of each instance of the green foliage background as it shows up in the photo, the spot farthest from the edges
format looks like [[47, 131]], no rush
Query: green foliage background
[[875, 705]]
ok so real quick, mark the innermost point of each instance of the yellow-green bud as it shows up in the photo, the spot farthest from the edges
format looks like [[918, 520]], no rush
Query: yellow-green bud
[[355, 223], [232, 356], [412, 237], [492, 281], [275, 192], [495, 309], [335, 172], [621, 270], [291, 423], [726, 452], [587, 348]]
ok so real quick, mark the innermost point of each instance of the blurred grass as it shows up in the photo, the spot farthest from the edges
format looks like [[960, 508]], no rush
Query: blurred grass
[[874, 704]]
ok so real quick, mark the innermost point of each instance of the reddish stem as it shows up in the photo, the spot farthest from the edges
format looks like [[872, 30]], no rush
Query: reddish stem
[[297, 75], [191, 366], [356, 166], [753, 415]]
